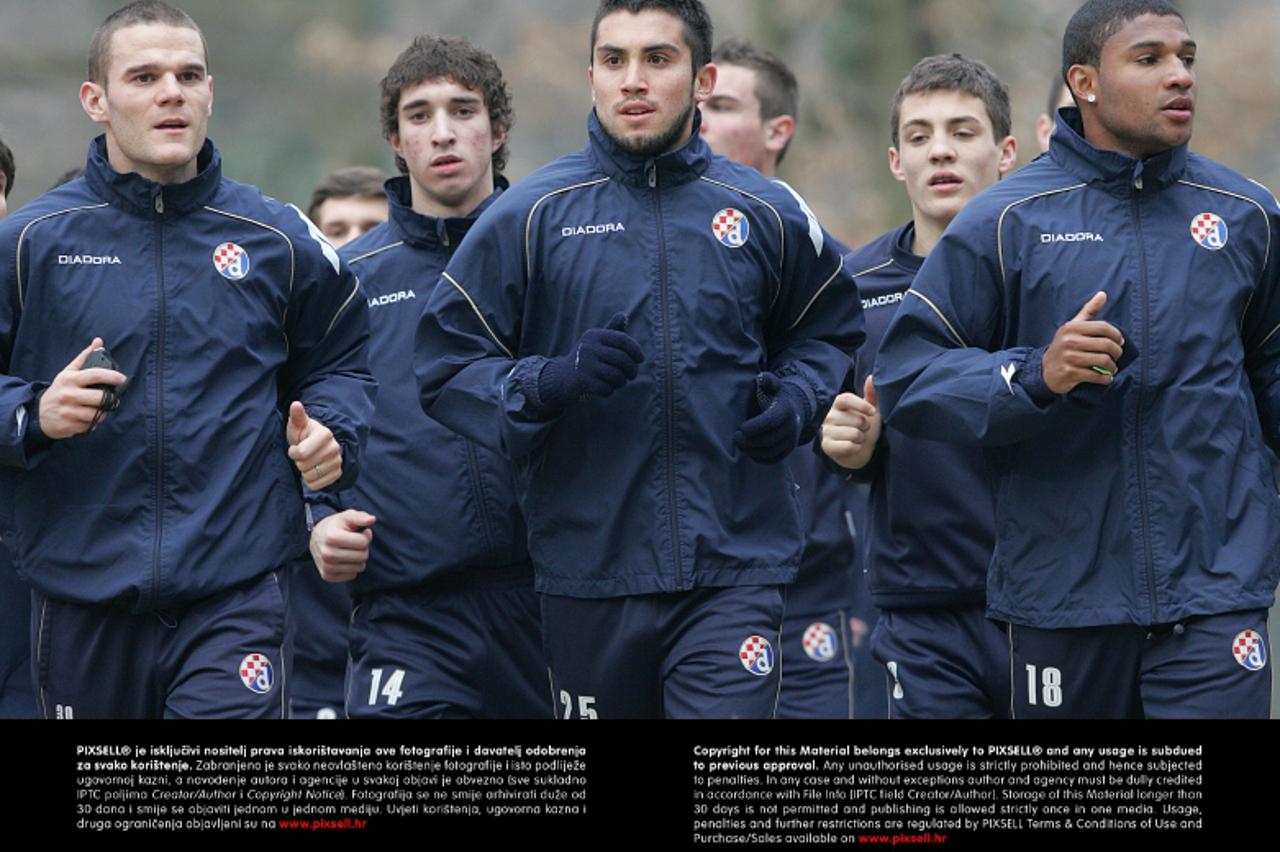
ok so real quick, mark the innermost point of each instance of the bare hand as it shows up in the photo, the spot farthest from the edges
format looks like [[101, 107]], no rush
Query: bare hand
[[851, 428], [340, 545], [313, 449], [69, 405], [1080, 346]]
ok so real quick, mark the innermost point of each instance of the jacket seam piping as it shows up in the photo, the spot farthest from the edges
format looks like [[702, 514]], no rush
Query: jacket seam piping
[[528, 226], [22, 236], [293, 261], [869, 270], [922, 297], [1004, 278], [825, 284], [782, 230], [1266, 257], [479, 315], [369, 254]]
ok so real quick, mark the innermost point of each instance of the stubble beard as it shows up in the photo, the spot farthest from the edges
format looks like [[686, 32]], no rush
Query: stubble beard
[[656, 144]]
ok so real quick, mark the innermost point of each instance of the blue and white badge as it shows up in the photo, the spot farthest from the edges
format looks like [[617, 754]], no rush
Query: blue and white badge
[[256, 673], [1209, 231], [731, 228], [757, 655], [231, 261], [820, 642], [1249, 650]]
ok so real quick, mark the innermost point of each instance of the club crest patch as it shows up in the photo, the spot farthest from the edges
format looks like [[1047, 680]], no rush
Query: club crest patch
[[1249, 650], [731, 227], [231, 261], [256, 673], [820, 642], [1209, 231], [757, 655]]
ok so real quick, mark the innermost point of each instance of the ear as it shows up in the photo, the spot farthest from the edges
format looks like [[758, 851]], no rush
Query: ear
[[394, 139], [705, 82], [1008, 155], [93, 98], [591, 81], [778, 132], [210, 79], [499, 135], [1083, 81], [895, 165], [1044, 129]]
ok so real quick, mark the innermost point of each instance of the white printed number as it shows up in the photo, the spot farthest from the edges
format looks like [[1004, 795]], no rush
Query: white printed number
[[586, 708], [391, 690], [1050, 688]]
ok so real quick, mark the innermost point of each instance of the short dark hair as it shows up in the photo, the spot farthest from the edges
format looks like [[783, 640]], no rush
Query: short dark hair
[[697, 23], [1098, 20], [776, 87], [7, 167], [140, 12], [351, 182], [951, 72], [449, 58]]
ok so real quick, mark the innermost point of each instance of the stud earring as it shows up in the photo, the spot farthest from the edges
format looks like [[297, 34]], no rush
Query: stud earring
[[1093, 99]]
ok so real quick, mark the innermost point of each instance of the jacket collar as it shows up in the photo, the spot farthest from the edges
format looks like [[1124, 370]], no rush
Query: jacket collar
[[145, 197], [684, 164], [901, 251], [1118, 173], [432, 232]]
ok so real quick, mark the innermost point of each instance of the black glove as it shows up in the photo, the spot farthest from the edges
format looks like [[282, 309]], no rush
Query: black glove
[[771, 435], [604, 360]]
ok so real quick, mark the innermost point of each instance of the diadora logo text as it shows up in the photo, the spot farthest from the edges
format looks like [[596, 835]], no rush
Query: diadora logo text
[[88, 260], [390, 298], [1079, 237], [881, 300], [584, 230]]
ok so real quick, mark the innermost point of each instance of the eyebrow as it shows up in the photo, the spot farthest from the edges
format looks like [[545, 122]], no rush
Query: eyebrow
[[649, 48], [468, 100], [1148, 45], [152, 66], [959, 119]]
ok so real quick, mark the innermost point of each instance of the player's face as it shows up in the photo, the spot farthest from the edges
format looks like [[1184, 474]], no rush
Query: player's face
[[731, 121], [947, 152], [343, 218], [447, 140], [156, 103], [1146, 87], [642, 81]]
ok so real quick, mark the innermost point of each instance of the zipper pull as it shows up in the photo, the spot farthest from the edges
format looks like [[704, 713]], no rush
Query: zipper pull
[[1137, 183], [653, 176], [160, 204]]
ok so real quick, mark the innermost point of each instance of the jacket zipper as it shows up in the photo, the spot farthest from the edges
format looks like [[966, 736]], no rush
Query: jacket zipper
[[1142, 386], [156, 558], [667, 379]]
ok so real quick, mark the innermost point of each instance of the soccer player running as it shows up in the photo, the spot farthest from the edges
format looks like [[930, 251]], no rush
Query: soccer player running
[[150, 497], [930, 526], [751, 117], [446, 618], [1104, 324], [344, 205], [647, 330]]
